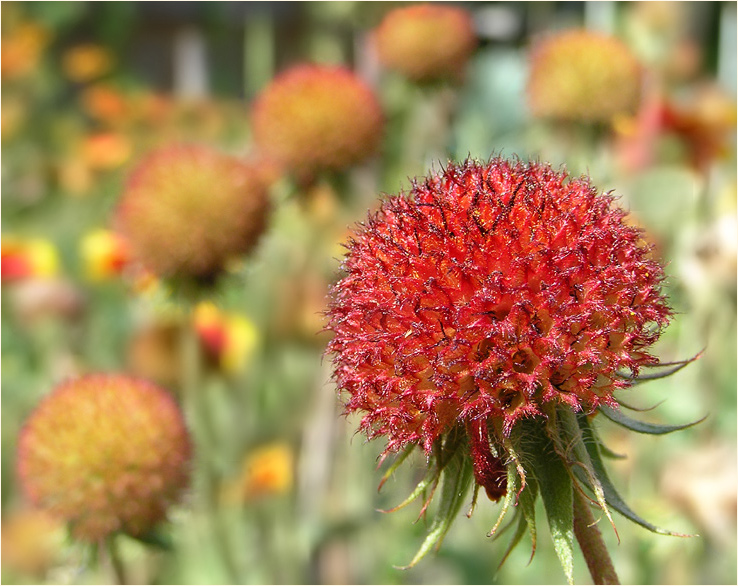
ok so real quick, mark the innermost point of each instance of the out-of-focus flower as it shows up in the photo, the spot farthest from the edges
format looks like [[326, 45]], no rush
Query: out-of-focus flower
[[153, 353], [583, 75], [106, 150], [104, 254], [315, 117], [636, 135], [31, 541], [187, 210], [106, 104], [705, 123], [28, 258], [267, 471], [426, 42], [86, 62], [229, 338], [484, 310], [13, 114], [21, 50], [106, 453]]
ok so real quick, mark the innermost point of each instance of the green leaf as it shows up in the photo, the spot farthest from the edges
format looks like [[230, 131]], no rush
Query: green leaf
[[558, 497], [623, 420], [456, 477], [611, 494]]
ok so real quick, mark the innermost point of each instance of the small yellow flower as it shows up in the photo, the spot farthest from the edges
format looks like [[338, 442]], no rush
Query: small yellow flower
[[86, 62], [104, 254], [268, 470]]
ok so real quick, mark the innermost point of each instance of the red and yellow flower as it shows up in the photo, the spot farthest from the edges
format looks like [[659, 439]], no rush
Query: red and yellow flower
[[228, 338], [28, 258], [104, 254]]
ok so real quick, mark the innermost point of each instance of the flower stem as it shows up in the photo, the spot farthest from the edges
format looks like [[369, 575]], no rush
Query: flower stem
[[116, 563], [591, 543], [205, 437]]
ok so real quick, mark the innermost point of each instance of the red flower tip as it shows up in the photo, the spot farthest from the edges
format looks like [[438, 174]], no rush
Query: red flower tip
[[485, 294]]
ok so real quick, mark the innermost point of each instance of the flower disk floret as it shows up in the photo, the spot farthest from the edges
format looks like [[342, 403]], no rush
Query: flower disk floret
[[485, 294]]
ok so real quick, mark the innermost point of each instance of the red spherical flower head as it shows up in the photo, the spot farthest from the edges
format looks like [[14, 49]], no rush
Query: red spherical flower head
[[426, 42], [314, 117], [583, 75], [187, 210], [488, 294], [106, 453]]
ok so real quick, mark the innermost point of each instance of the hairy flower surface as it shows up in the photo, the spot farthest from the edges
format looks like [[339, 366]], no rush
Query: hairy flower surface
[[487, 292], [314, 117], [426, 42], [106, 453], [583, 75], [187, 210]]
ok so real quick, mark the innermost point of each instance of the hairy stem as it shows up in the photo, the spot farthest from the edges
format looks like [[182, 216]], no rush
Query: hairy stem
[[591, 543]]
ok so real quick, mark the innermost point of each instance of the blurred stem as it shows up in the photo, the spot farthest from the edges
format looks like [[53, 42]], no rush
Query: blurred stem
[[591, 543], [205, 439], [258, 52], [116, 563]]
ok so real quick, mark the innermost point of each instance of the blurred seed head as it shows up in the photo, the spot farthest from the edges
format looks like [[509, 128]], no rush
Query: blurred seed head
[[314, 117], [187, 210], [426, 42], [583, 75], [105, 453]]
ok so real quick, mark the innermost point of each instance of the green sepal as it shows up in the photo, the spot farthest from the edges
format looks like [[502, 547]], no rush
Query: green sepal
[[569, 426], [676, 367], [512, 475], [557, 494], [456, 478], [517, 536], [525, 513], [623, 420], [612, 496], [396, 464]]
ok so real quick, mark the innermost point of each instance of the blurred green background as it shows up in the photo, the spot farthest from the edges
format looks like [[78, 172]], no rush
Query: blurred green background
[[89, 87]]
